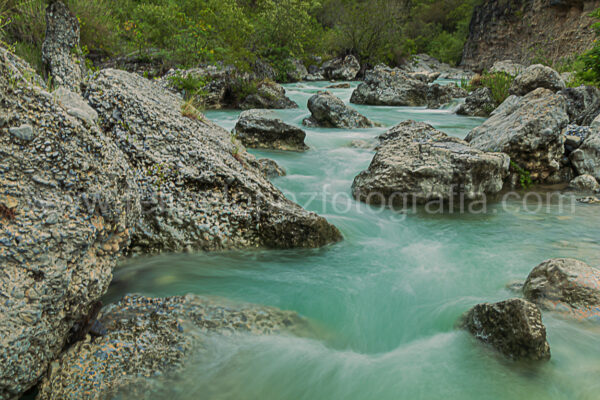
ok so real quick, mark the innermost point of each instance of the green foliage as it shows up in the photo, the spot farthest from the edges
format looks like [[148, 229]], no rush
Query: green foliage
[[587, 66], [524, 175], [498, 82]]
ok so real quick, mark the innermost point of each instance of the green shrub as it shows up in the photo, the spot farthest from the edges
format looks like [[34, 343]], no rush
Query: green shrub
[[498, 82], [524, 175]]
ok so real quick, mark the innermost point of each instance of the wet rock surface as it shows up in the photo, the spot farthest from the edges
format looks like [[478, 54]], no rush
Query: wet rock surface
[[329, 111], [73, 200], [478, 104], [513, 327], [60, 51], [416, 162], [567, 286], [269, 95], [146, 342], [262, 129], [385, 86], [198, 190], [530, 132], [534, 77]]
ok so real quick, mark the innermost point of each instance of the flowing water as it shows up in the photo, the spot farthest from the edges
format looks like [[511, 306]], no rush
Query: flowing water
[[385, 300]]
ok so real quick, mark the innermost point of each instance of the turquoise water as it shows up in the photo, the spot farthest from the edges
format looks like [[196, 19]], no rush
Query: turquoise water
[[385, 300]]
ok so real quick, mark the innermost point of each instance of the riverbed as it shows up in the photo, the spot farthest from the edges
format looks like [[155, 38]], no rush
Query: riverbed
[[383, 303]]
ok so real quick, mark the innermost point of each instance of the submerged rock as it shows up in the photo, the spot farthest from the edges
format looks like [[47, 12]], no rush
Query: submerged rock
[[73, 200], [261, 129], [480, 103], [513, 327], [270, 168], [565, 285], [530, 132], [586, 159], [198, 188], [269, 95], [384, 86], [329, 111], [534, 77], [416, 162], [146, 342], [60, 50], [344, 69]]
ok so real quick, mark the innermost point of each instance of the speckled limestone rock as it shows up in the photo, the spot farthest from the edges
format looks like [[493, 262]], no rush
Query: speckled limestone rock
[[73, 202], [344, 69], [269, 95], [146, 342], [585, 183], [567, 286], [270, 168], [384, 86], [262, 129], [199, 189], [534, 77], [583, 104], [61, 47], [530, 132], [416, 162], [439, 95], [478, 104], [513, 327], [75, 105], [329, 111], [586, 159]]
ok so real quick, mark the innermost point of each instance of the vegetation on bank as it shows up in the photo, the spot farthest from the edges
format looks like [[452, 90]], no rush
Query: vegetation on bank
[[238, 32]]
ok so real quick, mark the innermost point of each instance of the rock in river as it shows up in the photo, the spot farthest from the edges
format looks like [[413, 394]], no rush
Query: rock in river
[[530, 132], [329, 111], [269, 95], [416, 162], [565, 285], [261, 129], [344, 69], [146, 342], [384, 86], [199, 190], [478, 104], [534, 77], [513, 327]]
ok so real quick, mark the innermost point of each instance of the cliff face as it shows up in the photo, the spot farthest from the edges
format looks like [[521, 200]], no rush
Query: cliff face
[[528, 30]]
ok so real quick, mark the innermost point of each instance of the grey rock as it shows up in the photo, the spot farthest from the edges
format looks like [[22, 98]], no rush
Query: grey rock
[[423, 76], [513, 327], [58, 253], [298, 71], [530, 133], [586, 159], [507, 105], [583, 104], [566, 286], [414, 161], [344, 69], [534, 77], [61, 47], [269, 95], [508, 67], [206, 179], [24, 132], [314, 77], [330, 112], [478, 104], [440, 95], [146, 343], [75, 105], [390, 87], [585, 183], [261, 129], [270, 168], [344, 85]]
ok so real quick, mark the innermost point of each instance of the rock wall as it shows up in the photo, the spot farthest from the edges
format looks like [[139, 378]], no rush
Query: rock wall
[[527, 31]]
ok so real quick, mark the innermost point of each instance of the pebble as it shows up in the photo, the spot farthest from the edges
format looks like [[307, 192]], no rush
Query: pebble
[[24, 132]]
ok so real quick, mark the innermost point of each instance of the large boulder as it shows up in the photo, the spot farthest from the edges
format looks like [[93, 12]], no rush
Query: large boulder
[[440, 95], [297, 72], [344, 69], [210, 86], [479, 103], [585, 183], [508, 67], [530, 132], [583, 104], [586, 159], [262, 129], [416, 162], [60, 50], [534, 77], [199, 189], [142, 344], [329, 111], [567, 286], [384, 86], [68, 203], [269, 95], [513, 327]]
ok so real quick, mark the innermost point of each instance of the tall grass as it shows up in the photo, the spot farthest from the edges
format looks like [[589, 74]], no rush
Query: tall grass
[[498, 82]]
